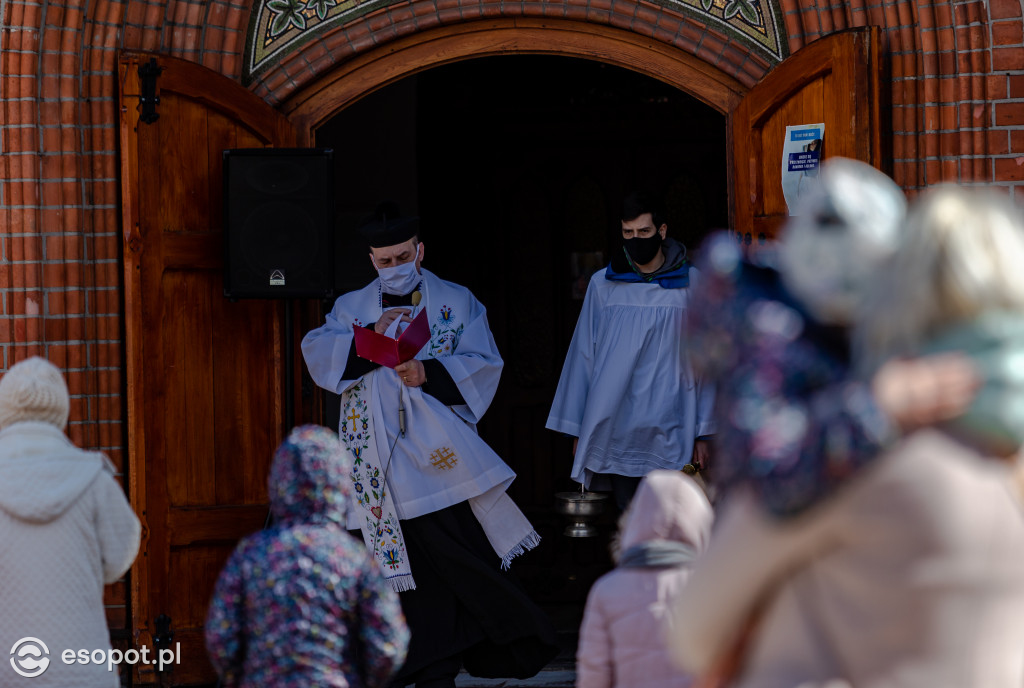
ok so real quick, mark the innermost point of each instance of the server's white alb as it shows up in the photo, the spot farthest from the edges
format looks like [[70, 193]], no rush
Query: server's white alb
[[628, 391]]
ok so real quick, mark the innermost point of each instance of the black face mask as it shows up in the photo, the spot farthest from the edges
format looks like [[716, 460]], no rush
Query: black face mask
[[642, 250]]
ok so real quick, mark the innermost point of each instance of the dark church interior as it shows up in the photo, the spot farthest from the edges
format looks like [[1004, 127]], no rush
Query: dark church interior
[[516, 166]]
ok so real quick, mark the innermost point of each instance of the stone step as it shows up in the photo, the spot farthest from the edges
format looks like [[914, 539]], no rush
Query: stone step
[[548, 678]]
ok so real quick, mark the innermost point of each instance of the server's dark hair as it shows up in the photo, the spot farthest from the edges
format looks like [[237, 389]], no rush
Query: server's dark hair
[[636, 203]]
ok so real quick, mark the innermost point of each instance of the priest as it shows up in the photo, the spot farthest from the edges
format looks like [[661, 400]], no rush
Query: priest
[[431, 494]]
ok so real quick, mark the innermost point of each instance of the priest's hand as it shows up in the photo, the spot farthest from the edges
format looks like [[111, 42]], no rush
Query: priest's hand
[[389, 317], [412, 372]]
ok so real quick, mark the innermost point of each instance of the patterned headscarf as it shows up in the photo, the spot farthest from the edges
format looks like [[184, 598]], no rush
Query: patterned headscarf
[[792, 422], [309, 479]]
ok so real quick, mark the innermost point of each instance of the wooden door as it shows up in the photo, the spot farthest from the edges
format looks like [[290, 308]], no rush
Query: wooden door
[[835, 80], [204, 375]]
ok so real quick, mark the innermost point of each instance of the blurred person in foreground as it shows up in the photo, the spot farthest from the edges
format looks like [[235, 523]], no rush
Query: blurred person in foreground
[[902, 567], [775, 335], [303, 602], [622, 637], [66, 529]]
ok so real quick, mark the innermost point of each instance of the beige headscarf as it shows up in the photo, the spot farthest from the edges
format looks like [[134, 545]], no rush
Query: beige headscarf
[[34, 389]]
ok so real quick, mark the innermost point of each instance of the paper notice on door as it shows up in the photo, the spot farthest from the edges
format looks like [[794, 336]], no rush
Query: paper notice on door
[[801, 158]]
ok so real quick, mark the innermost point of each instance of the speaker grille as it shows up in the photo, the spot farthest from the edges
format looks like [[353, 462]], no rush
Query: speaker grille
[[278, 223]]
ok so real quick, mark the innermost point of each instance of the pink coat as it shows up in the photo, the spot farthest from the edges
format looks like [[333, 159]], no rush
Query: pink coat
[[622, 638], [910, 576]]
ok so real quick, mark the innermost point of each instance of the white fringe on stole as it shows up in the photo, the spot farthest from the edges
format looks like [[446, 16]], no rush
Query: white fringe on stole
[[402, 583], [528, 543], [507, 528]]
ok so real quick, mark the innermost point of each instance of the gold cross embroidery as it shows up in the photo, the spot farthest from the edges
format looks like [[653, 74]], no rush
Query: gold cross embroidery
[[443, 459], [354, 417]]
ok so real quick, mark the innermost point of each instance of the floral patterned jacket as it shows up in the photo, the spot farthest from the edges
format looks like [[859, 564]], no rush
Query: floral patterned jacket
[[302, 602], [792, 422]]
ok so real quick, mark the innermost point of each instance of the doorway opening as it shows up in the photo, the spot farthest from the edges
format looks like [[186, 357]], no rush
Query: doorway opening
[[516, 166]]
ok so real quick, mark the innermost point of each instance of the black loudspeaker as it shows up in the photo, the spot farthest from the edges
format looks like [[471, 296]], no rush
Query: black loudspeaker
[[278, 223]]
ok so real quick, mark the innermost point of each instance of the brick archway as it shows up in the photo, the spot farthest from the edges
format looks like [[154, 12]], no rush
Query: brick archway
[[389, 63], [948, 121], [654, 25]]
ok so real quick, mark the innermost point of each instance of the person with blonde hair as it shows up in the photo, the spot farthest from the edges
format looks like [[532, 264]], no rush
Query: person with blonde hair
[[909, 570], [954, 286]]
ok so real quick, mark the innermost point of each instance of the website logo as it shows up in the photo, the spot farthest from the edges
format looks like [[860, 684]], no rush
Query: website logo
[[30, 657]]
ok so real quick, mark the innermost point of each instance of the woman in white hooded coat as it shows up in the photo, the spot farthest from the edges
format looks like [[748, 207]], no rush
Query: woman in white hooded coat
[[66, 529]]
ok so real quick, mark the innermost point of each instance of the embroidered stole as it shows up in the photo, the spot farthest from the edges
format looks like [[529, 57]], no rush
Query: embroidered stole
[[506, 527], [378, 518]]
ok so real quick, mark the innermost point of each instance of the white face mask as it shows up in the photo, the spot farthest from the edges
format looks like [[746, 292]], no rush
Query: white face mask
[[400, 279]]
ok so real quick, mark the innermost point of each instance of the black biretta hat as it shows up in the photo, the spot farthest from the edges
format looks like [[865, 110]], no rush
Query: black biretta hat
[[387, 226]]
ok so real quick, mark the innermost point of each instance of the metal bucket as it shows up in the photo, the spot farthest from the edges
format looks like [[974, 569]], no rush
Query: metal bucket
[[582, 508]]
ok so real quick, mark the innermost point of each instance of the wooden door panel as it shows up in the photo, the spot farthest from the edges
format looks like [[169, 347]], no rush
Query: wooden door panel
[[807, 105], [191, 567], [188, 411], [238, 479], [193, 251], [181, 134], [193, 526], [834, 80], [205, 374], [190, 598]]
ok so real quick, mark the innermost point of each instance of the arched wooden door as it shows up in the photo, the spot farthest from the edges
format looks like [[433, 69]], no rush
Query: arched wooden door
[[204, 375], [835, 80], [205, 380]]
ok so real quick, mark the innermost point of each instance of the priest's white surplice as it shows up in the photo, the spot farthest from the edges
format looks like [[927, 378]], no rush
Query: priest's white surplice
[[440, 461]]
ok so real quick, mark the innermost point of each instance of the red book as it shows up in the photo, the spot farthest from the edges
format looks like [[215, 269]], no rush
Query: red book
[[390, 352]]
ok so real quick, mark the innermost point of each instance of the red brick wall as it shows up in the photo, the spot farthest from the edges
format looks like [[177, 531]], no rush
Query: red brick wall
[[59, 294], [957, 83], [957, 115]]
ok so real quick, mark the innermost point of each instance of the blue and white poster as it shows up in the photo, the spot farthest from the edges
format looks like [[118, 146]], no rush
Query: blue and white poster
[[801, 157]]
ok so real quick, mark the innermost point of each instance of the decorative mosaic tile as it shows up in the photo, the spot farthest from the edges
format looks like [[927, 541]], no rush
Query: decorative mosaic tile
[[280, 27], [756, 24]]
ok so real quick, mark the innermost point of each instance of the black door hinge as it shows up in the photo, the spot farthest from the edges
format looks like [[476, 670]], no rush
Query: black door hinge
[[149, 99]]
